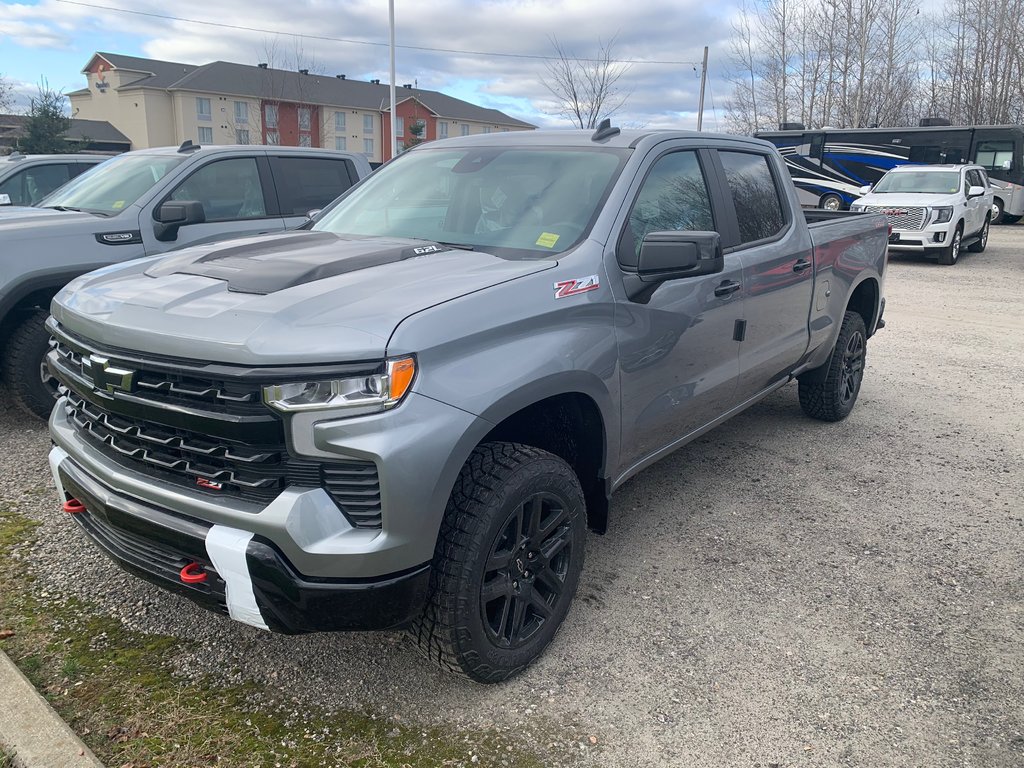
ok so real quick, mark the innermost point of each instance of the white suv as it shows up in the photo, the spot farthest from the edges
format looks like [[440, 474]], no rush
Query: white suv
[[933, 209]]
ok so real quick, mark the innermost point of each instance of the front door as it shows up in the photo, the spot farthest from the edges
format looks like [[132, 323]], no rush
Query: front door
[[678, 358]]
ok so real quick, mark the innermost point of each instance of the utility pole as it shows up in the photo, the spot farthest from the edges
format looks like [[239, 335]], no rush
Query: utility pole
[[703, 82], [394, 117]]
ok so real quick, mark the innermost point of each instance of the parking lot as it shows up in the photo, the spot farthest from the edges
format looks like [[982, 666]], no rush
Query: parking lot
[[781, 592]]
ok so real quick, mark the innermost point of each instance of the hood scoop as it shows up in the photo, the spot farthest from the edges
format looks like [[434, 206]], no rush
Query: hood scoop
[[269, 264]]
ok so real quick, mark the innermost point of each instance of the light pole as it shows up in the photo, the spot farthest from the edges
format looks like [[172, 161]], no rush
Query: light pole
[[394, 117]]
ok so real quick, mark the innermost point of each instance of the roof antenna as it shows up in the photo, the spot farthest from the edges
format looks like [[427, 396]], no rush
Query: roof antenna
[[188, 146], [605, 130]]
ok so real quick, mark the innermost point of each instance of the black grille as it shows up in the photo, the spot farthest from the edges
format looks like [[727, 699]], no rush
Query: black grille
[[211, 434]]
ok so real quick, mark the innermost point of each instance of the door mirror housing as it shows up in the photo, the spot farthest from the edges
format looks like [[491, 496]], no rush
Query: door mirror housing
[[313, 213], [975, 192], [1007, 165], [673, 256], [174, 214], [865, 189]]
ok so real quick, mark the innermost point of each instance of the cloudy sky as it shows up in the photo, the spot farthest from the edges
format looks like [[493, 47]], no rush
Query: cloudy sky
[[485, 51]]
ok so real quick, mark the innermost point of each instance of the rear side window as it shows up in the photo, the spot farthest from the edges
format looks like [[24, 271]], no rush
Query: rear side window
[[673, 197], [307, 183], [754, 194], [228, 189]]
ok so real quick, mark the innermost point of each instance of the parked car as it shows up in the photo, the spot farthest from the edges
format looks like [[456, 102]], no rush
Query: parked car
[[936, 210], [406, 413], [27, 179], [140, 204]]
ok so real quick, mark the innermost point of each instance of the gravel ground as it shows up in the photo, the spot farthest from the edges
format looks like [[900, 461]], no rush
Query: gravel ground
[[781, 592]]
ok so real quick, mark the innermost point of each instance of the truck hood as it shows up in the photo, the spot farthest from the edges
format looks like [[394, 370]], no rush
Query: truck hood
[[289, 298], [906, 200], [18, 223]]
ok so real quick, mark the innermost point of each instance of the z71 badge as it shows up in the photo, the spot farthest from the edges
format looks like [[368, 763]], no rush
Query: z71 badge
[[566, 288]]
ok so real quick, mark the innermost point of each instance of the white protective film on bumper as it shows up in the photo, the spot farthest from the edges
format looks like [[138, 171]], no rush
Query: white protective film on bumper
[[226, 548], [57, 455]]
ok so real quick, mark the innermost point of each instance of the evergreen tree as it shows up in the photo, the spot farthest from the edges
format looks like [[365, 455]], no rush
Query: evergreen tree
[[47, 124]]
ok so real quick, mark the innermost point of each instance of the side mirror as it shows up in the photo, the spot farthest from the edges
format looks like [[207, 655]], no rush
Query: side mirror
[[975, 192], [313, 213], [673, 256], [1007, 165], [5, 199], [865, 189], [174, 214]]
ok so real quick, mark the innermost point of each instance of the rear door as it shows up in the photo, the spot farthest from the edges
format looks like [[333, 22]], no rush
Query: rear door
[[305, 183], [678, 359], [778, 269]]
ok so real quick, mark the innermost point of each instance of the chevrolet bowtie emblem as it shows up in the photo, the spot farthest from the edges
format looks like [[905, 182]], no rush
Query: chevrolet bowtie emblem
[[107, 376]]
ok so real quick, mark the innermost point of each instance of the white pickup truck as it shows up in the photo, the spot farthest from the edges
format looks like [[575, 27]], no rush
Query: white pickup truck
[[936, 210]]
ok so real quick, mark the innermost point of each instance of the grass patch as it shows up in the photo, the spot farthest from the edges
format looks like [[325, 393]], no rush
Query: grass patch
[[6, 758], [115, 688]]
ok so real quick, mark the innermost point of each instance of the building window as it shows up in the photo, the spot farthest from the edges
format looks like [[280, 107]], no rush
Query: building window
[[487, 129], [270, 116], [205, 134], [339, 121], [304, 140], [504, 130], [368, 147], [241, 112], [340, 143], [273, 137], [203, 109], [400, 126], [465, 130], [241, 135], [367, 123], [305, 119], [442, 130]]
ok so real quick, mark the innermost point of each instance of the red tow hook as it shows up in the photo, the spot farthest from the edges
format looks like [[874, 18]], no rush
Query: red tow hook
[[73, 506], [193, 573]]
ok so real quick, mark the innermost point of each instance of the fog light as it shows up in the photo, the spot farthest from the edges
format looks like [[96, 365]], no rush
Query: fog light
[[940, 237]]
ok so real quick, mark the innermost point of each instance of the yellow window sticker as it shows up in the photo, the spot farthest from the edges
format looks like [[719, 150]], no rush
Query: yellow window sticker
[[118, 205], [547, 240]]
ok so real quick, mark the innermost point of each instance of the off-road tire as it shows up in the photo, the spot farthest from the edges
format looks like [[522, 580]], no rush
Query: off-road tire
[[829, 393], [948, 256], [24, 359], [455, 630], [979, 245]]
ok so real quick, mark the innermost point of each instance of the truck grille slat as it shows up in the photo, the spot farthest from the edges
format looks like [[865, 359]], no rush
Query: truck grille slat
[[902, 217]]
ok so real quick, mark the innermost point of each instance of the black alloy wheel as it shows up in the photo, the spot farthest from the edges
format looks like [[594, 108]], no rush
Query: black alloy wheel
[[852, 367]]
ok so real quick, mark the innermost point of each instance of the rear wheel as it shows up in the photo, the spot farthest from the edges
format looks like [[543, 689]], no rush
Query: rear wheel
[[997, 211], [26, 374], [949, 255], [979, 246], [830, 202], [830, 392], [507, 562]]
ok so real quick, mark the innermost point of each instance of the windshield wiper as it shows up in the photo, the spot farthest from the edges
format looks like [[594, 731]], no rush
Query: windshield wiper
[[63, 208], [460, 246]]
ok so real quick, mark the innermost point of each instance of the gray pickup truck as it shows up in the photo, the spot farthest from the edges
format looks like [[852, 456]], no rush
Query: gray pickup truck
[[409, 413], [139, 204]]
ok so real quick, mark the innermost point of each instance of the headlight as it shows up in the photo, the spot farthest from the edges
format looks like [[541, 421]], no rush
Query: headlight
[[359, 394], [855, 207], [943, 214]]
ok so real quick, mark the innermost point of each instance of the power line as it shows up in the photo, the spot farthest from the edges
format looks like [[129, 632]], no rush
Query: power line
[[362, 42]]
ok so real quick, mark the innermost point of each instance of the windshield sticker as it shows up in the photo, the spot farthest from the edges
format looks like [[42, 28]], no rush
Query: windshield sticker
[[547, 240], [118, 205], [566, 288]]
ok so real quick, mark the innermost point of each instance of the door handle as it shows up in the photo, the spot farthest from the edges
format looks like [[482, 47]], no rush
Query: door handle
[[802, 265], [727, 287]]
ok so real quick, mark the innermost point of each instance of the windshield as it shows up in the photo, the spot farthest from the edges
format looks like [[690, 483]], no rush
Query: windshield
[[921, 182], [114, 185], [513, 202]]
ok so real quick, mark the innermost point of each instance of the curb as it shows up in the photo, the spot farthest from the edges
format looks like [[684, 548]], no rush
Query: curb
[[29, 726]]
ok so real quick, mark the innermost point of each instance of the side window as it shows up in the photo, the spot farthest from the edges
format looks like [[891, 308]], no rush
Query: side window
[[305, 183], [228, 189], [673, 196], [33, 184], [754, 194], [79, 168], [14, 187]]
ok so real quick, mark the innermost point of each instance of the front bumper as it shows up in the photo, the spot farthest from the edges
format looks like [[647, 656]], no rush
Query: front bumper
[[255, 583], [932, 237]]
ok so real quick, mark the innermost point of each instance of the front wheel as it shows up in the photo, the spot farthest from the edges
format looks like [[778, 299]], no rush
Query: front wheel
[[507, 562], [830, 202], [979, 246], [26, 374], [829, 393], [949, 255]]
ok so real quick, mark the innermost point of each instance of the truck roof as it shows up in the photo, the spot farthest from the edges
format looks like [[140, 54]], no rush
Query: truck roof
[[576, 138]]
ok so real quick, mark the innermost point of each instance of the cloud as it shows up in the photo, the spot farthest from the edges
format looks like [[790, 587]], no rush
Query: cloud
[[660, 95]]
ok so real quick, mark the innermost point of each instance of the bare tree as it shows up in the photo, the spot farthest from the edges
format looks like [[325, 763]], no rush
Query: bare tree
[[6, 94], [587, 89]]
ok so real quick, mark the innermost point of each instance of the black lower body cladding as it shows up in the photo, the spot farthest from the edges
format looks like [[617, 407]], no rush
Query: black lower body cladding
[[165, 549]]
